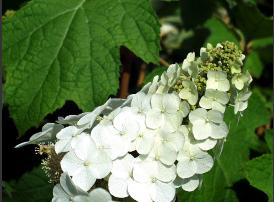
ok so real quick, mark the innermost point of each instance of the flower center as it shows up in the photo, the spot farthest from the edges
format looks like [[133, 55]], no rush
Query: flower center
[[87, 163]]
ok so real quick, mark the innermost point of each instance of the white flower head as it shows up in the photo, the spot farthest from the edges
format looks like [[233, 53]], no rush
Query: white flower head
[[86, 163], [214, 99], [144, 141], [190, 66], [164, 112], [107, 139], [207, 124], [141, 102], [66, 190], [48, 134], [184, 108], [71, 119], [187, 184], [121, 176], [241, 100], [192, 160], [166, 145], [153, 86], [189, 92], [97, 194], [241, 80], [206, 144], [66, 137], [169, 78], [88, 120], [152, 181], [217, 80]]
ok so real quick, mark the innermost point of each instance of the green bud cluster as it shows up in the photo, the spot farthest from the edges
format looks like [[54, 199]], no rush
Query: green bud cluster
[[200, 82], [226, 57], [178, 86], [223, 58]]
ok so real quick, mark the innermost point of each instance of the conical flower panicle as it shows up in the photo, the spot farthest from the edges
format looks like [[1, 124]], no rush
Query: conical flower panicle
[[156, 140]]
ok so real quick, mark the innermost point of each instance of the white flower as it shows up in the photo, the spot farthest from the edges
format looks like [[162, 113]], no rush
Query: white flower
[[164, 112], [214, 99], [141, 102], [153, 86], [95, 195], [167, 144], [48, 134], [217, 80], [71, 119], [66, 137], [192, 160], [241, 101], [108, 119], [121, 176], [189, 65], [107, 138], [144, 141], [207, 124], [152, 182], [187, 184], [241, 80], [206, 144], [189, 92], [66, 191], [184, 109], [86, 163], [168, 78], [87, 120]]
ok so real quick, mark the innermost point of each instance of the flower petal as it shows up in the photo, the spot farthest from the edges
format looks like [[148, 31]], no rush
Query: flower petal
[[204, 163], [162, 192], [71, 163], [117, 186], [84, 178], [186, 168], [139, 191]]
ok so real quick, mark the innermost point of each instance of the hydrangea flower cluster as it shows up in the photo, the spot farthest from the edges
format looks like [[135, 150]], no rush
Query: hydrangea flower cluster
[[157, 140]]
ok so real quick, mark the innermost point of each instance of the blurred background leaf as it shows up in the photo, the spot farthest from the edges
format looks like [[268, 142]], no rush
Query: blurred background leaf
[[32, 186], [259, 173], [191, 24]]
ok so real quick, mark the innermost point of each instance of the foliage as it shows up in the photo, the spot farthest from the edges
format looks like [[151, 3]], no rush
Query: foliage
[[56, 51], [259, 174], [68, 50], [32, 185]]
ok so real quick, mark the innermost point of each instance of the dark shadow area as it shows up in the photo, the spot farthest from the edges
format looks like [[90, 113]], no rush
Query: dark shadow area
[[247, 193]]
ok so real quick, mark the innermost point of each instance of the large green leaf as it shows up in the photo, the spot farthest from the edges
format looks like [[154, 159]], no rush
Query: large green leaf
[[32, 186], [259, 173], [229, 167], [69, 50]]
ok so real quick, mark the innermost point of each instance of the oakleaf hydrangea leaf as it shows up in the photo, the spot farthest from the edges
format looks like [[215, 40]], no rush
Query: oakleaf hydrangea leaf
[[69, 50], [259, 173]]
